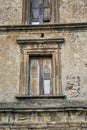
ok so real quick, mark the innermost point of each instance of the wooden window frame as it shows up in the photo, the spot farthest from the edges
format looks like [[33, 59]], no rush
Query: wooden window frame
[[55, 15], [40, 48], [41, 87]]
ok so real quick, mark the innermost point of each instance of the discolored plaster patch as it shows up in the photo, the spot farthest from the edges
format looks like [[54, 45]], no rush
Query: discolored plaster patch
[[73, 85]]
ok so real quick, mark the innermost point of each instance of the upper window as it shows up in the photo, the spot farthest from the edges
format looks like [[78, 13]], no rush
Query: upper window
[[40, 11]]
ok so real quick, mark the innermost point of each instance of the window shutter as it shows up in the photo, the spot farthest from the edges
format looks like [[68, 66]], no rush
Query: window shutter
[[40, 75], [34, 77], [47, 11]]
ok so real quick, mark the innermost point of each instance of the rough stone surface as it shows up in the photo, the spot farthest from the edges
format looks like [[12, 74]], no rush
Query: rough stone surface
[[32, 115], [73, 11], [43, 121], [9, 66], [73, 57], [10, 12], [74, 54]]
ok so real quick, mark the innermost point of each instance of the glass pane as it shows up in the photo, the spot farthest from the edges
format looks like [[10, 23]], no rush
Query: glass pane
[[47, 68], [34, 76], [35, 15], [47, 87], [35, 23], [36, 10]]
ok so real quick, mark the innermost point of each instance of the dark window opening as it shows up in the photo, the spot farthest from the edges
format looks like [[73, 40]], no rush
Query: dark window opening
[[40, 75]]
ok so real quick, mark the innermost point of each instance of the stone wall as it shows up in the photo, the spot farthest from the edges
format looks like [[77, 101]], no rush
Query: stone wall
[[40, 115], [73, 11], [42, 121], [44, 112], [74, 53], [10, 12], [9, 67], [73, 62]]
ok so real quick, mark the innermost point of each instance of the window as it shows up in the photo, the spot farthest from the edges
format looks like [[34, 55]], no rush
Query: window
[[40, 11], [40, 67], [40, 75]]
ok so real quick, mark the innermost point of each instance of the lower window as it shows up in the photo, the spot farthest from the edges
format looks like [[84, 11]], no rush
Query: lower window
[[40, 75], [40, 67]]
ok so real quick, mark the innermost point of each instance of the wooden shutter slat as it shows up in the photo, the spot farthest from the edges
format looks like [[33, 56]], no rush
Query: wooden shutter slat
[[34, 76]]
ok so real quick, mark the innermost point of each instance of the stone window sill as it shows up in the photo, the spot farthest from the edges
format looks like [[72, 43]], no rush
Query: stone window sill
[[56, 96]]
